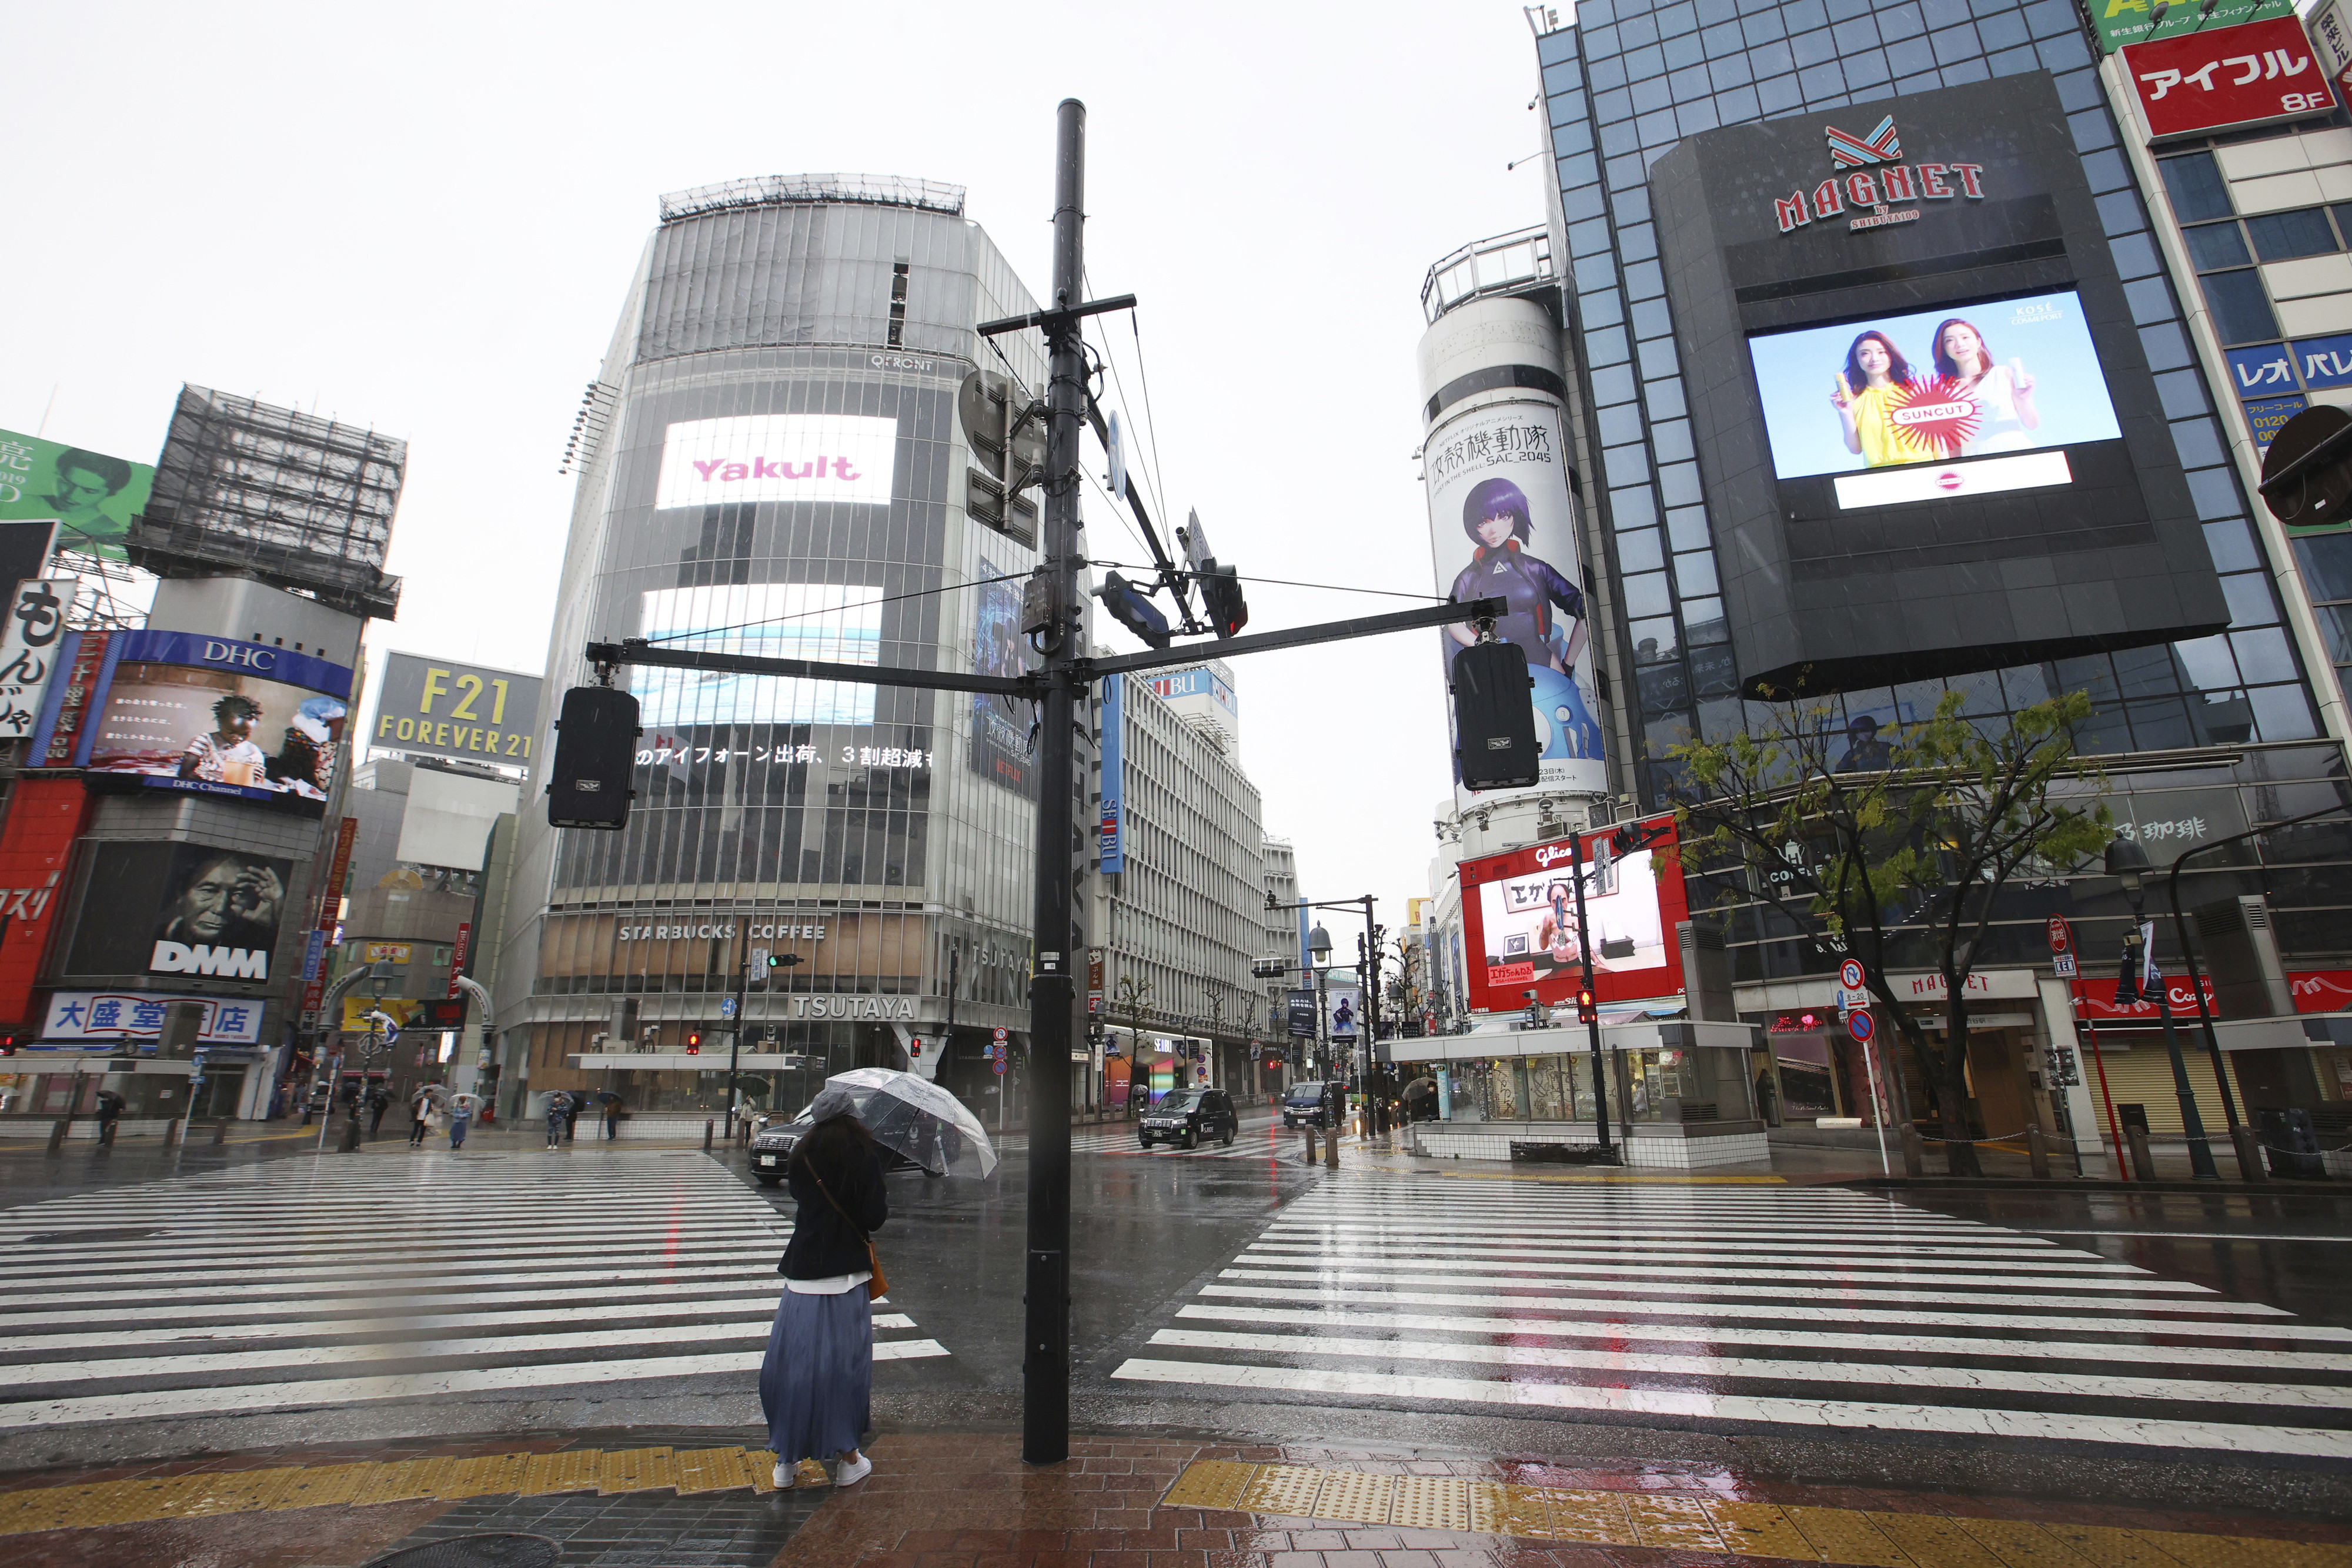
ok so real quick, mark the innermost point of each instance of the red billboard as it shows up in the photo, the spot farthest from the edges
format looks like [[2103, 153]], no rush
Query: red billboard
[[2252, 74], [1520, 931], [44, 818]]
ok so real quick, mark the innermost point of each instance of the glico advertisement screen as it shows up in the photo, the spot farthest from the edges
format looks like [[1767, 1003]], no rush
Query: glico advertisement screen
[[1522, 933], [1934, 387], [218, 716]]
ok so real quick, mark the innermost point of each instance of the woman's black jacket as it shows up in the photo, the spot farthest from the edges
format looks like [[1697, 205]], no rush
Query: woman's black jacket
[[823, 1244]]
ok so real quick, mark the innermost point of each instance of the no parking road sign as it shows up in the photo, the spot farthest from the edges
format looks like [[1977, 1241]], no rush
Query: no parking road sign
[[1859, 1025]]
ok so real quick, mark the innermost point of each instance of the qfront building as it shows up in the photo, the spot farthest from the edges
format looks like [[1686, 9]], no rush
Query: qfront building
[[772, 463], [1775, 227]]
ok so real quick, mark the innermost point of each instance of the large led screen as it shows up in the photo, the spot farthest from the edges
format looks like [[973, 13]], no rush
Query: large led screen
[[1933, 386], [1000, 736], [212, 715], [1521, 929]]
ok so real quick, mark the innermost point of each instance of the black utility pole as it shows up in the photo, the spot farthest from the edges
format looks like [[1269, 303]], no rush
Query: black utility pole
[[1045, 1353]]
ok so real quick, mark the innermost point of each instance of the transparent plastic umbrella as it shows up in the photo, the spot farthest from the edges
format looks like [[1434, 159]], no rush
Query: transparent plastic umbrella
[[910, 1116]]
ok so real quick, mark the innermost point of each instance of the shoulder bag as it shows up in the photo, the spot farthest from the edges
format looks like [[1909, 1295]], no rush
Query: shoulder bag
[[877, 1286]]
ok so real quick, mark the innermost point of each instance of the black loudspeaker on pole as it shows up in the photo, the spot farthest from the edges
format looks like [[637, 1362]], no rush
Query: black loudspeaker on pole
[[1046, 1344]]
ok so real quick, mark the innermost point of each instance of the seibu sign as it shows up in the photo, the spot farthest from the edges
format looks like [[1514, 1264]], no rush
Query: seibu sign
[[1882, 179], [2254, 74]]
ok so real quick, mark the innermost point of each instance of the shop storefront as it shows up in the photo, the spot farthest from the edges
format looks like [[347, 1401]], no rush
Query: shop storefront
[[1677, 1092]]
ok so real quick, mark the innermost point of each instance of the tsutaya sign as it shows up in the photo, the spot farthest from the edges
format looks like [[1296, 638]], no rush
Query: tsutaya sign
[[1881, 179], [896, 1009]]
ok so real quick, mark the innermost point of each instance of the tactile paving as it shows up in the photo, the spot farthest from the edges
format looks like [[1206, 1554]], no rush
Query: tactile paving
[[1352, 1495], [1430, 1502], [1285, 1490], [1672, 1523], [1209, 1483]]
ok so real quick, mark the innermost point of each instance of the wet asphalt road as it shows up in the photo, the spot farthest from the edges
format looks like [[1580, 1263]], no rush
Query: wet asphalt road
[[1240, 1292]]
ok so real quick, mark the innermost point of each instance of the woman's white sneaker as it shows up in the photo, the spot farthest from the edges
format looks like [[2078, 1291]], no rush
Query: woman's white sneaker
[[853, 1471]]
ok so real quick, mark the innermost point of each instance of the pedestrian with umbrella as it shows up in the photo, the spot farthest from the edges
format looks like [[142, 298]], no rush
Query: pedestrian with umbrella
[[422, 1105], [816, 1384], [916, 1119], [461, 1117], [559, 1113]]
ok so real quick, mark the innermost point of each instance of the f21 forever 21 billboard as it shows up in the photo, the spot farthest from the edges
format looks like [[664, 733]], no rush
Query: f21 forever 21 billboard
[[1926, 428]]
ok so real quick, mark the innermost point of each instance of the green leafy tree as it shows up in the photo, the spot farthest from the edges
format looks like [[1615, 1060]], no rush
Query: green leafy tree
[[1132, 1007], [1867, 862]]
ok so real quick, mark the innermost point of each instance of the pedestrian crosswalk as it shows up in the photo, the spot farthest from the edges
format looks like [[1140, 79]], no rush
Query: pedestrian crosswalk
[[1687, 1305], [311, 1282]]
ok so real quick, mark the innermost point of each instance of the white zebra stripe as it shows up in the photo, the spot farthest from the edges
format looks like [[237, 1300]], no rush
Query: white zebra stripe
[[1788, 1307]]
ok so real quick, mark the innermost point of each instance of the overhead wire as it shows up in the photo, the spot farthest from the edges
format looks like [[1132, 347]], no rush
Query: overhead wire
[[837, 609], [1289, 582], [1155, 490]]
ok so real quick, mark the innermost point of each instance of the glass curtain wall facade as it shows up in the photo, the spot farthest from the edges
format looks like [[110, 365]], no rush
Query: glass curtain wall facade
[[1626, 82], [1631, 79], [784, 474]]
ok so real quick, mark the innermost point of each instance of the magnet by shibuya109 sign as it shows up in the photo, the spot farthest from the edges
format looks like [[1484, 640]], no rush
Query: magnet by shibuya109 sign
[[1521, 935], [2254, 74]]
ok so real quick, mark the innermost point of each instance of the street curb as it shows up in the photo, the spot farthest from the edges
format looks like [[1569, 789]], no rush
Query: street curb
[[2321, 1188]]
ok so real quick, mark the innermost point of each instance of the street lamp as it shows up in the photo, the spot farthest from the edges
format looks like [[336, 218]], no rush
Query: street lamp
[[2128, 863]]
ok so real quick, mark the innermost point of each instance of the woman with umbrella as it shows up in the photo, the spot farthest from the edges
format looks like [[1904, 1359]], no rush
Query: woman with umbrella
[[816, 1384], [559, 1110], [461, 1117]]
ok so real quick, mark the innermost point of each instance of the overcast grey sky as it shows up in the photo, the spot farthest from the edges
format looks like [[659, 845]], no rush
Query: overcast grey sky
[[423, 217]]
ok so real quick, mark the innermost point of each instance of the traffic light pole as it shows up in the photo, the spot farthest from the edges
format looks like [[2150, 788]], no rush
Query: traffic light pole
[[735, 1036], [1592, 1028], [1054, 685]]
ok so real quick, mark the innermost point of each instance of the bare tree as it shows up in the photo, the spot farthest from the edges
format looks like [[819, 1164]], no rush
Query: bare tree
[[1919, 840]]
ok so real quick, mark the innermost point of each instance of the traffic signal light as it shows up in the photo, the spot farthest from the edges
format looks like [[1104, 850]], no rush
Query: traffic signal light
[[595, 747], [1493, 720], [1130, 606], [694, 1043], [1221, 596], [1588, 1006]]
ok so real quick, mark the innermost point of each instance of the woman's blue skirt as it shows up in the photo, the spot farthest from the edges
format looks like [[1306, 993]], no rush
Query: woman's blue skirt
[[816, 1387]]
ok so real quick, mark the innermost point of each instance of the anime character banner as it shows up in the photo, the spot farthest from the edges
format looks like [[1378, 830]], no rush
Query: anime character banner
[[1502, 527]]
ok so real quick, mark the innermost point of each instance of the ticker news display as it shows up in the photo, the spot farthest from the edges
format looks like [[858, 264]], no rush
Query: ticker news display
[[1926, 433], [1520, 931], [218, 716], [1934, 387]]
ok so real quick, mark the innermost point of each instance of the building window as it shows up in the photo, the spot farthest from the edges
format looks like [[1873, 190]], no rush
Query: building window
[[897, 303]]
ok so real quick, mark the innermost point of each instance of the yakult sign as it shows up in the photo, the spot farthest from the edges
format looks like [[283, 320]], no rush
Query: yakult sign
[[778, 457]]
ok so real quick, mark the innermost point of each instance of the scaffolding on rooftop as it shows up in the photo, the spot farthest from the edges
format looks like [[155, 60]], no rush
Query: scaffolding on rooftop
[[287, 498]]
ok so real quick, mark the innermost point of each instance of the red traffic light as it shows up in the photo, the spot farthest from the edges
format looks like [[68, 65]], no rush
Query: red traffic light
[[694, 1045], [1588, 1007]]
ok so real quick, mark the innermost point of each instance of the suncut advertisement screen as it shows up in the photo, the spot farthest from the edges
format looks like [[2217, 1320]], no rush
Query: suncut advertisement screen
[[1933, 387], [1520, 926]]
